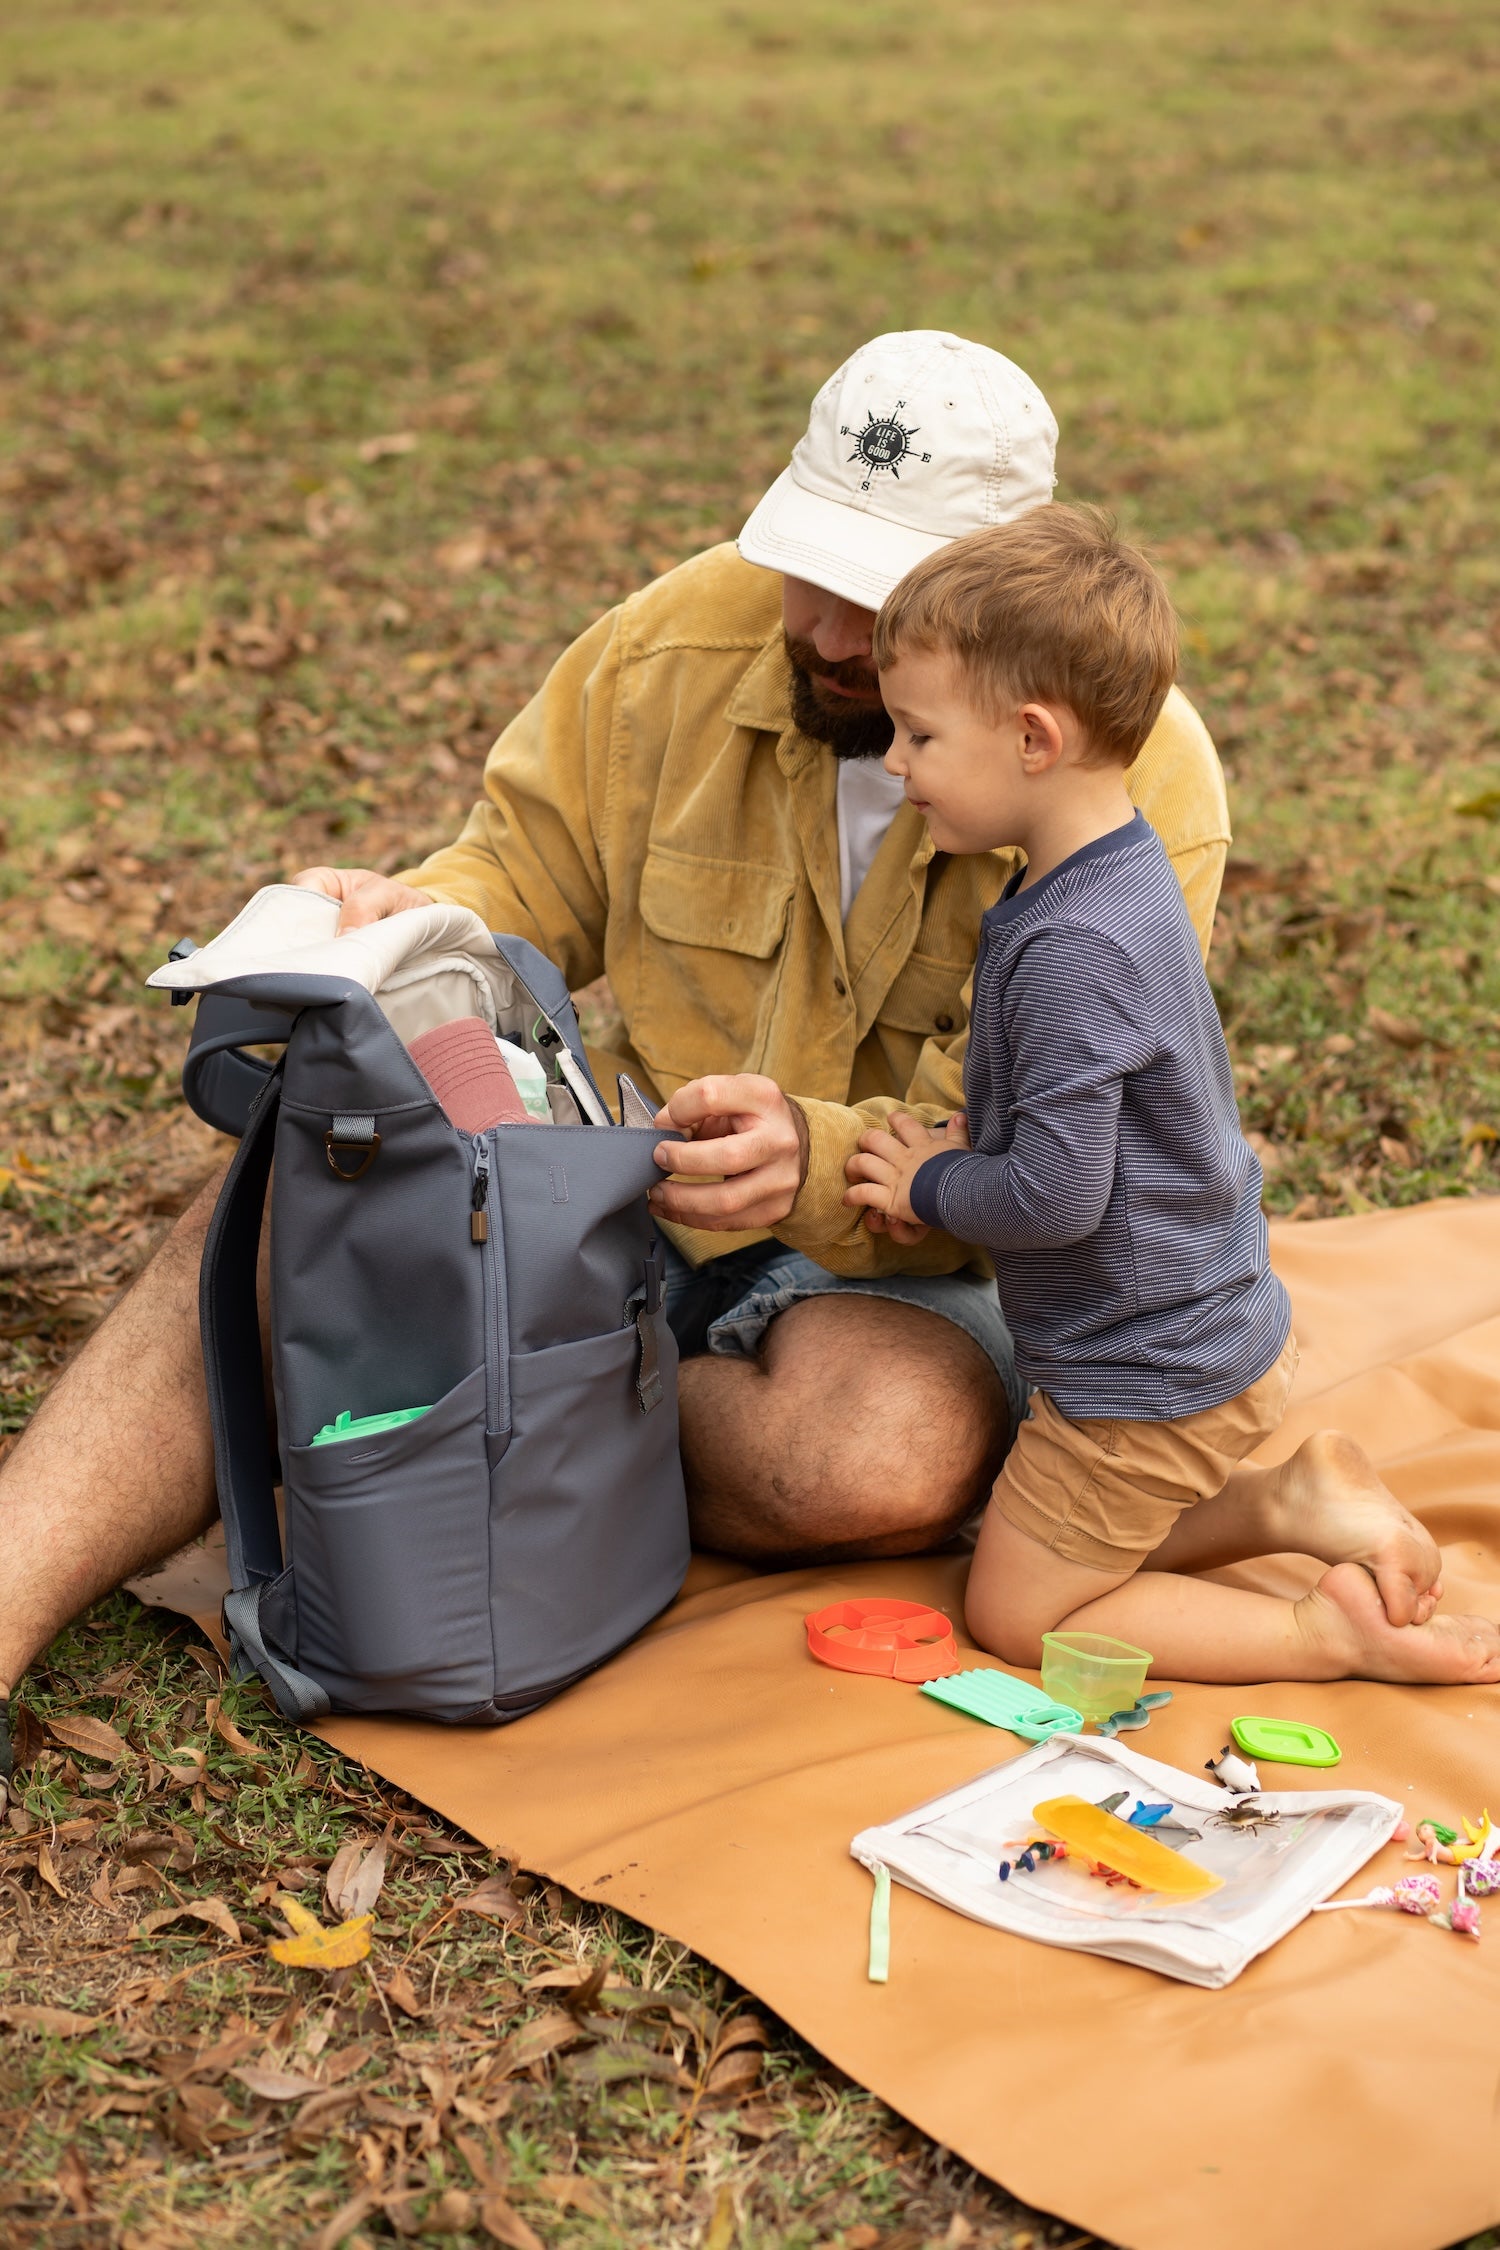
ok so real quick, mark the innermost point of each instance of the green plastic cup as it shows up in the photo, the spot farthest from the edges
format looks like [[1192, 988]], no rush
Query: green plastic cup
[[1096, 1675]]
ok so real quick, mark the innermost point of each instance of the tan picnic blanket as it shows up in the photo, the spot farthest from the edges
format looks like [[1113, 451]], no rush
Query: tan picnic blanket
[[1344, 2092]]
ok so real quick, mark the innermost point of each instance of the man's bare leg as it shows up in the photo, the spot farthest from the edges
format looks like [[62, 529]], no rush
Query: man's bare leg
[[1327, 1501], [865, 1427], [116, 1469]]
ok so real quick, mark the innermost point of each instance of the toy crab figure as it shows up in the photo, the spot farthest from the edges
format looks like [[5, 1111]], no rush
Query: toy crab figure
[[1247, 1815]]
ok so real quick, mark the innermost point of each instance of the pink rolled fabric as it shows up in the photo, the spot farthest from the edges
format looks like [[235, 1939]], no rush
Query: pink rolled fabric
[[466, 1070]]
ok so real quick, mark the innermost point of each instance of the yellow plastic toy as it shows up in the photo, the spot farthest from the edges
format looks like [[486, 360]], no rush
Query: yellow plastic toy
[[1480, 1842], [1098, 1835]]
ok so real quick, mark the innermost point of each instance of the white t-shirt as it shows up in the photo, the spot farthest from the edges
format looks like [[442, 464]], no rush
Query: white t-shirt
[[868, 798]]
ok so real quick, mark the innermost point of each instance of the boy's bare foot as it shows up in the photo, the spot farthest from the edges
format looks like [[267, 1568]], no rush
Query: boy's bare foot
[[1346, 1624], [1331, 1504]]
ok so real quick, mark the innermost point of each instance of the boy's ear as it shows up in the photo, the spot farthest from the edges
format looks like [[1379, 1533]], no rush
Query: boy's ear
[[1041, 738]]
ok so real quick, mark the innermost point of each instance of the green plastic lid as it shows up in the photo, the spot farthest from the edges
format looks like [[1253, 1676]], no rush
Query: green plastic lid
[[1286, 1742], [368, 1425]]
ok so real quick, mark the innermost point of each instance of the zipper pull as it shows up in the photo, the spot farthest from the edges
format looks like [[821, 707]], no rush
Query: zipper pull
[[479, 1218]]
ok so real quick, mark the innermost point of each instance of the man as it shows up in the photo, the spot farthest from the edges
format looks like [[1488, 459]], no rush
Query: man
[[694, 803]]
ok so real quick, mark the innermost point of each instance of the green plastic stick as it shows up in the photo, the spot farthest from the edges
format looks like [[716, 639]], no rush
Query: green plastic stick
[[348, 1425], [880, 1928]]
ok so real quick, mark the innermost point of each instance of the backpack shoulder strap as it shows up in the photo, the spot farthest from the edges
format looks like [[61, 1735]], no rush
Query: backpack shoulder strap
[[229, 1321]]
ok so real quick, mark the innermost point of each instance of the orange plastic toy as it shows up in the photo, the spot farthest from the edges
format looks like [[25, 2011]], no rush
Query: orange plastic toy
[[890, 1639], [1131, 1852]]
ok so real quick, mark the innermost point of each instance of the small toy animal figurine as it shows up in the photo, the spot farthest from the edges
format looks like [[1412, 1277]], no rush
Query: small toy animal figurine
[[1234, 1773], [1245, 1814]]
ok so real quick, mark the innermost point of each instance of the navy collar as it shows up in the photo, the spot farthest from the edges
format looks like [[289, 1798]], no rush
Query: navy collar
[[1013, 900]]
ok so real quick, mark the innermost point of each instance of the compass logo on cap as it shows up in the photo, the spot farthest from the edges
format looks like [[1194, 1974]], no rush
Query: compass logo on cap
[[883, 443]]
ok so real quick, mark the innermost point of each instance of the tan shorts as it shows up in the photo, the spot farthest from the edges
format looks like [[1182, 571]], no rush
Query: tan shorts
[[1107, 1493]]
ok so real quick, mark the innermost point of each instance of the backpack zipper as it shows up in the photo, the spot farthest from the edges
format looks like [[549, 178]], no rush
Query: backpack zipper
[[486, 1232]]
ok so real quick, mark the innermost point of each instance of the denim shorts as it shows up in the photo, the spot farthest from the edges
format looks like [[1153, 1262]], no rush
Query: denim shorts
[[727, 1305]]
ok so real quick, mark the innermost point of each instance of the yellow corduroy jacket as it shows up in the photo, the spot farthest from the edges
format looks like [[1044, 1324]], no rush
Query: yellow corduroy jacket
[[654, 814]]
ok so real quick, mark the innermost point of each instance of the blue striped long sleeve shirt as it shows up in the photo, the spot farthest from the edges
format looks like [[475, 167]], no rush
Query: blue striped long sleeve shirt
[[1109, 1178]]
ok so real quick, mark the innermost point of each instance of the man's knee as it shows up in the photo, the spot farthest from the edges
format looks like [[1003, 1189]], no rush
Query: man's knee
[[868, 1427]]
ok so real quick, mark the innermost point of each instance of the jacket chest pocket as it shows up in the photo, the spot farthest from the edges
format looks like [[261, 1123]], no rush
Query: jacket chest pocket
[[928, 997], [712, 945]]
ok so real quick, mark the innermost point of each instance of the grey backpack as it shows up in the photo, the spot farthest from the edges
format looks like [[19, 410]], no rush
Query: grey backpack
[[491, 1304]]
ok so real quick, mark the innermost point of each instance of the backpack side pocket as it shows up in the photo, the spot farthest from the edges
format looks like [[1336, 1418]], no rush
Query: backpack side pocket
[[389, 1540]]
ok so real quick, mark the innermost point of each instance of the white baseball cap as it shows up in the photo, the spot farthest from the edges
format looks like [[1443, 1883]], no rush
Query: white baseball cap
[[915, 440]]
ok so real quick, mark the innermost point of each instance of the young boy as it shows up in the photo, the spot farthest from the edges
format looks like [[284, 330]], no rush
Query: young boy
[[1023, 668]]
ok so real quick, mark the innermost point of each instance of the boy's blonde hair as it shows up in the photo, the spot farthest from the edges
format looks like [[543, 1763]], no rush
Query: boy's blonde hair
[[1055, 606]]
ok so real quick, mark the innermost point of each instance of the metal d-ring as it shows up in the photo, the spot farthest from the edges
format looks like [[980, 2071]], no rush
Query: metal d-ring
[[367, 1144]]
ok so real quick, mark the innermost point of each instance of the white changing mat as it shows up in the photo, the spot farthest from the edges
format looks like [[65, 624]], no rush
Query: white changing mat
[[444, 950], [950, 1850]]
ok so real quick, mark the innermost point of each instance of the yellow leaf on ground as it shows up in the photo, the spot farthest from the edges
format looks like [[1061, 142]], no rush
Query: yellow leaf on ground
[[292, 1910], [318, 1948]]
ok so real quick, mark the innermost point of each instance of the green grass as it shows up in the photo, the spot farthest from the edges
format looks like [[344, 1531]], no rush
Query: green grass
[[594, 260]]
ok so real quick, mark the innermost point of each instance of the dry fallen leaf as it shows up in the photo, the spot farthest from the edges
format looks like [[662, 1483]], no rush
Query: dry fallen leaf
[[465, 552], [579, 1998], [572, 2191], [452, 2213], [91, 1738], [550, 2031], [504, 2223], [212, 2061], [213, 1911], [494, 1899], [387, 448], [343, 2222], [47, 1871], [145, 1878], [227, 1732], [73, 2179], [276, 2085], [1402, 1031], [734, 2073], [354, 1880], [27, 1736], [54, 2023], [401, 1993], [721, 2227]]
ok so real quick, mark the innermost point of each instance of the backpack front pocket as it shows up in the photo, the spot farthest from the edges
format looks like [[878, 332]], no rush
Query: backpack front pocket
[[389, 1540], [590, 1524]]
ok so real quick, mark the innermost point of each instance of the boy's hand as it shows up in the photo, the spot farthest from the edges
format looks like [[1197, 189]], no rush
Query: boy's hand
[[880, 1175]]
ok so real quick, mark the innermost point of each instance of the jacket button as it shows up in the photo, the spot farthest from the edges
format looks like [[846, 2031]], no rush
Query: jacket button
[[840, 987], [945, 1023]]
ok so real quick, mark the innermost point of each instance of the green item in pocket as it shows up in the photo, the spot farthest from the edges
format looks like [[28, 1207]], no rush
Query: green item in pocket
[[368, 1425]]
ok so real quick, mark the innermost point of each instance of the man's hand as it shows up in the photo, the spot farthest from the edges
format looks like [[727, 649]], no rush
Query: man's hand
[[744, 1137], [880, 1176], [366, 896]]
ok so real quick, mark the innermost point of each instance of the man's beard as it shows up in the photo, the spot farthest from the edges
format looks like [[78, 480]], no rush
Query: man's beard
[[850, 730]]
